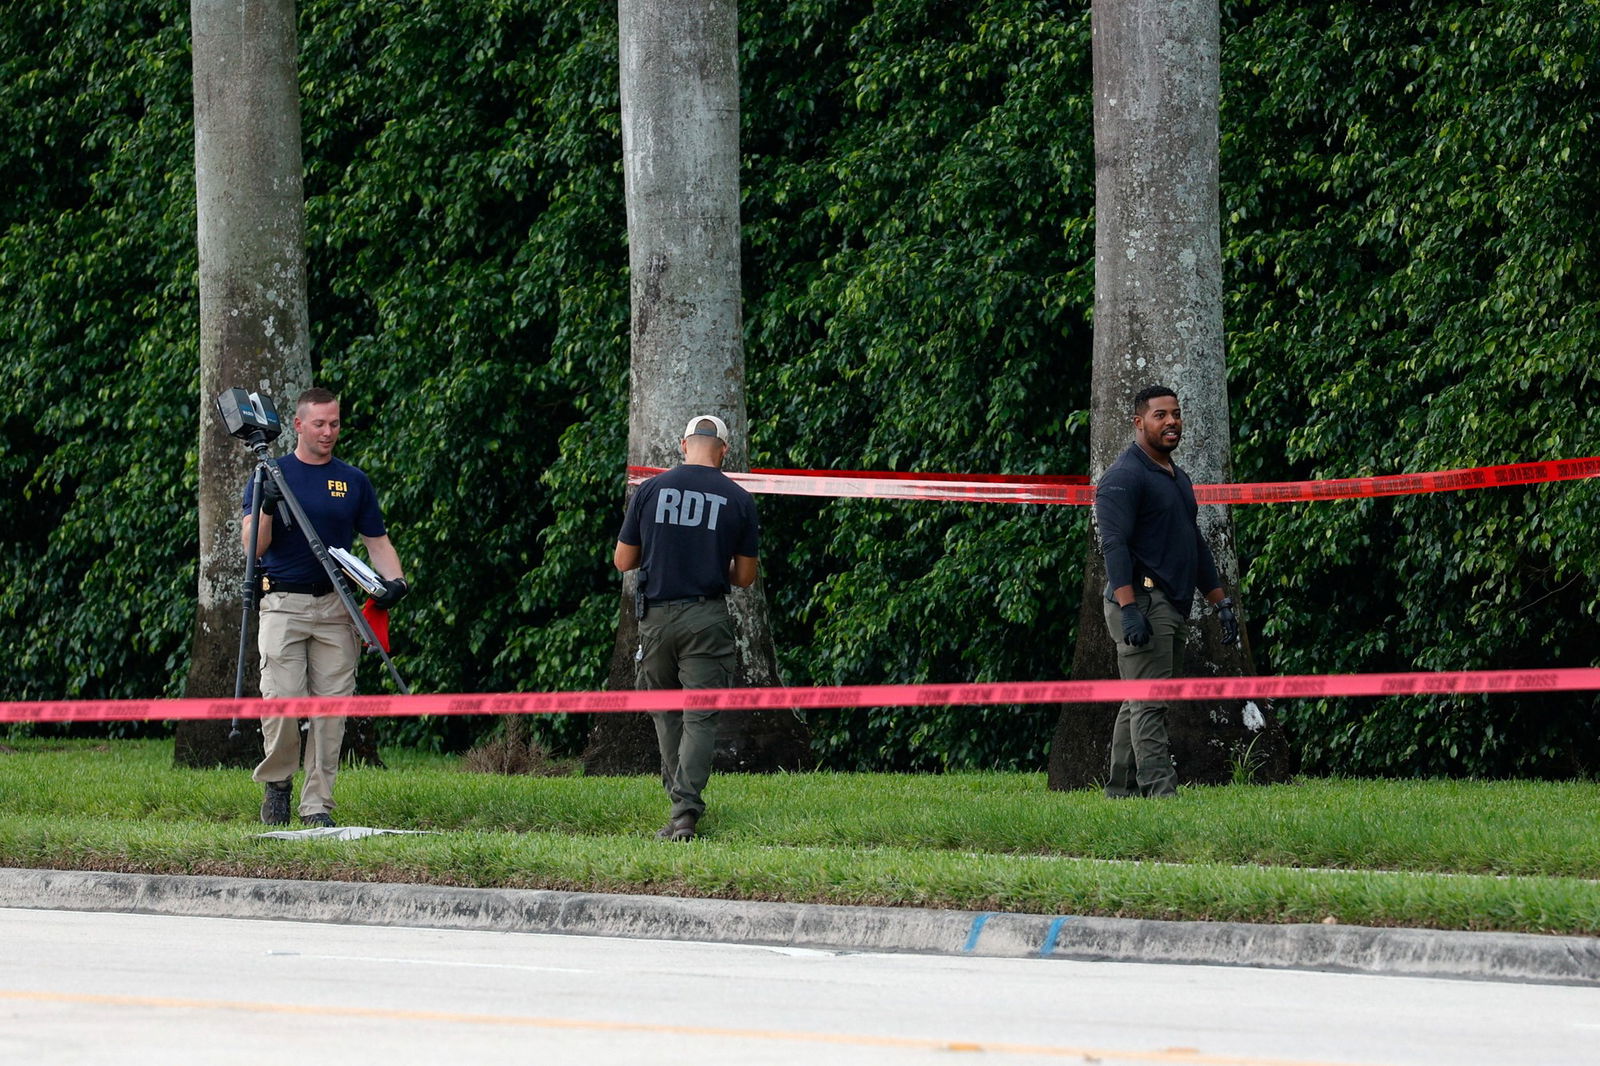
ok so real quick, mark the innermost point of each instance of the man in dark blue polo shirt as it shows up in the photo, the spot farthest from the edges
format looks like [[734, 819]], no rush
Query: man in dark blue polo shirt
[[693, 534], [1145, 511]]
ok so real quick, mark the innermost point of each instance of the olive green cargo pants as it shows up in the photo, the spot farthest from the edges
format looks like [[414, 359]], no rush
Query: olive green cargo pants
[[1141, 765], [687, 645]]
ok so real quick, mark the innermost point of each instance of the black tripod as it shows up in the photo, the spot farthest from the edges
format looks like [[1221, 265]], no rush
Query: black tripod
[[256, 431]]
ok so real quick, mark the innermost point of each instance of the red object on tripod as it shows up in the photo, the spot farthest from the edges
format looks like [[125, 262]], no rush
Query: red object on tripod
[[378, 618]]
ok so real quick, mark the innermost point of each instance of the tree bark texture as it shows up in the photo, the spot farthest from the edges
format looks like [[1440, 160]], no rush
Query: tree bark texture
[[1158, 321], [254, 330], [680, 144]]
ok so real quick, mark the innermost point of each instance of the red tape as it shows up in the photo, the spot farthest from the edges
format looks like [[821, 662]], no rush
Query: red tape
[[882, 485], [1483, 477], [1075, 490], [745, 699]]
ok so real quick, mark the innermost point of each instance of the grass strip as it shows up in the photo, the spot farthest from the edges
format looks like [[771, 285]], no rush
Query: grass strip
[[881, 876], [1517, 856]]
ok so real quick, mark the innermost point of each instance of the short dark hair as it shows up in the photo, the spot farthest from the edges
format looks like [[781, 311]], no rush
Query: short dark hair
[[1141, 401], [314, 395]]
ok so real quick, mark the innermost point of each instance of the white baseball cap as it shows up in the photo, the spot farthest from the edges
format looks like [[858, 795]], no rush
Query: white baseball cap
[[697, 428]]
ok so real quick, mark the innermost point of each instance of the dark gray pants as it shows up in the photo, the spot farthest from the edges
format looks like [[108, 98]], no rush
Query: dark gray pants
[[1141, 765], [686, 646]]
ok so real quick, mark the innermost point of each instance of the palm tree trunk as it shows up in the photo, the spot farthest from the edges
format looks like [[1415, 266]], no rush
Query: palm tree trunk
[[254, 330], [1158, 320], [680, 143]]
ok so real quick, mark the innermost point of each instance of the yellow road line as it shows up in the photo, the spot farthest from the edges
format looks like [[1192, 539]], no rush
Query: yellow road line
[[1187, 1056]]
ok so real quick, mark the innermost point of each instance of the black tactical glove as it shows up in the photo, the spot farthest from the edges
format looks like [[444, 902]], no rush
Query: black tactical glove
[[1135, 626], [394, 590], [271, 496], [1229, 620]]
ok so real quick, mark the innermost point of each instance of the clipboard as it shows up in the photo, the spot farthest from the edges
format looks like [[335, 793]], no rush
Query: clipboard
[[359, 572]]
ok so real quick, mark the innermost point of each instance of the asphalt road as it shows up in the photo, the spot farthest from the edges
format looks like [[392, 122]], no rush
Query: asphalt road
[[132, 989]]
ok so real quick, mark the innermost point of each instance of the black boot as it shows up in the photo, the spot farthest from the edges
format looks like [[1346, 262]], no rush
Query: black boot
[[275, 803]]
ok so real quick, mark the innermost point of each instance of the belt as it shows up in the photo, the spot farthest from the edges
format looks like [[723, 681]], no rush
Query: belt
[[314, 588], [686, 599]]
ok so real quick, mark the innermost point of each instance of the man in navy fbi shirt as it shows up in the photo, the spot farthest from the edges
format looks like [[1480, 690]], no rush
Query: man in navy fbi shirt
[[1145, 511], [693, 534], [308, 643]]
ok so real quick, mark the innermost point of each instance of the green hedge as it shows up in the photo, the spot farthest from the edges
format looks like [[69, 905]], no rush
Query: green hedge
[[1409, 205], [1413, 214]]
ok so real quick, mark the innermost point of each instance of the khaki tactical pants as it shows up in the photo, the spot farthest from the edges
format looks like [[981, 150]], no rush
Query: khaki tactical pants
[[689, 645], [308, 648], [1141, 765]]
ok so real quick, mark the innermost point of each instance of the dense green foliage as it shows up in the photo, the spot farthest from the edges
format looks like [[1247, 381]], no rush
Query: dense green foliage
[[1409, 207], [100, 364], [1413, 227]]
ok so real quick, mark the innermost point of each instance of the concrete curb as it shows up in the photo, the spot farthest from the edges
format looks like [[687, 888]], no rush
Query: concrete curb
[[1340, 948]]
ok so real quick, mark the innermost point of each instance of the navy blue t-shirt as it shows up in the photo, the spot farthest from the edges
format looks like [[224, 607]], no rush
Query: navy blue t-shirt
[[339, 500], [689, 521]]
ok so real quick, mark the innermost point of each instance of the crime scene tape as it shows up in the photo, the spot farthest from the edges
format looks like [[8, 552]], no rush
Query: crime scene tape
[[890, 485], [747, 699], [1074, 490]]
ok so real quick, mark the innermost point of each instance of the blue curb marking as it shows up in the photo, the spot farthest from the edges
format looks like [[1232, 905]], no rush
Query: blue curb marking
[[1049, 945], [977, 927], [1045, 950]]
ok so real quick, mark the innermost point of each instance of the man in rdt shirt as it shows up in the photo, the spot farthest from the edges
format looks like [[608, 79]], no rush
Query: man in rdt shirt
[[693, 534]]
